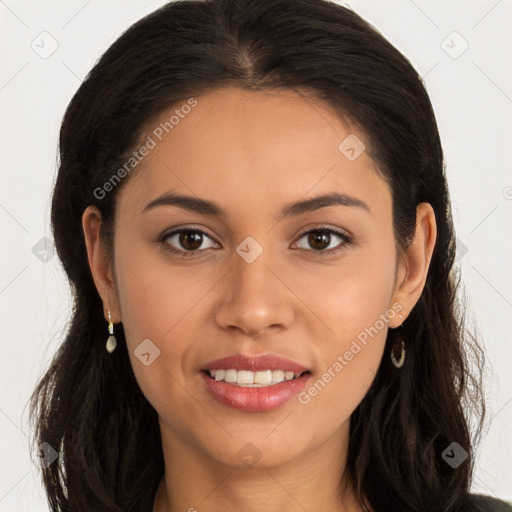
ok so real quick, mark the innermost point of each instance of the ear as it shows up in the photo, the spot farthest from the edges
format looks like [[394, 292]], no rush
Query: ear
[[100, 263], [414, 264]]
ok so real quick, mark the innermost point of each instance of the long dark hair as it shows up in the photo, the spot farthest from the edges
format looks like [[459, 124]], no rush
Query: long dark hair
[[88, 406]]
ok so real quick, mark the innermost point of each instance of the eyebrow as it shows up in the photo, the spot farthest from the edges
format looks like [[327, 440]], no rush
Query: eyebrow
[[195, 204]]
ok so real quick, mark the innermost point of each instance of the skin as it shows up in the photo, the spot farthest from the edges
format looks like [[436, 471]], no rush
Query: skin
[[253, 153]]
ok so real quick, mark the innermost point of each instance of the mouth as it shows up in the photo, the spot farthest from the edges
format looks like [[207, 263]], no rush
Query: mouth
[[254, 383]]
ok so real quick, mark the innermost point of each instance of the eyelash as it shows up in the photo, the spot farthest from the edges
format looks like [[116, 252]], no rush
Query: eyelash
[[322, 253]]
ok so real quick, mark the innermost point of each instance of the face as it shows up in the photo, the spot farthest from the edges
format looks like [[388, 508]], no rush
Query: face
[[314, 285]]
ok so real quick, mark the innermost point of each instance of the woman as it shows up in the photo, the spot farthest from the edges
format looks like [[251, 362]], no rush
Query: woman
[[252, 210]]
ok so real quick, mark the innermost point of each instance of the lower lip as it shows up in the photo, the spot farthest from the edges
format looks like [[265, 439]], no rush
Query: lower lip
[[264, 398]]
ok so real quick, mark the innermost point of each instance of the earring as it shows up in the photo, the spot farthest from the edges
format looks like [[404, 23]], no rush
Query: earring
[[400, 362], [111, 340]]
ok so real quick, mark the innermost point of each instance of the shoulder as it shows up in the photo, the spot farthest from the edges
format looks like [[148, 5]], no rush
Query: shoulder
[[481, 503]]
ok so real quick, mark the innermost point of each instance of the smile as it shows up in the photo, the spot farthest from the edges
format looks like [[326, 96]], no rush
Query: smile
[[246, 378]]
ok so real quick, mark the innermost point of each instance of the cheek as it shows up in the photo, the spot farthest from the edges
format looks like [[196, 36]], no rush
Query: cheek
[[155, 295], [157, 303], [349, 296], [353, 304]]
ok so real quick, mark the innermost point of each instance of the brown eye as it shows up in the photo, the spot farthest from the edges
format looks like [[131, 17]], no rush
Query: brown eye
[[190, 240], [321, 240], [186, 241]]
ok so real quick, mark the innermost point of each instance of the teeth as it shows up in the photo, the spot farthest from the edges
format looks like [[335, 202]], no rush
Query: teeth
[[264, 377], [247, 378], [243, 377], [230, 376], [278, 376]]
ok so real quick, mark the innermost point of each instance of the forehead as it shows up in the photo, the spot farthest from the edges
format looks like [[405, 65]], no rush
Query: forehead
[[253, 151]]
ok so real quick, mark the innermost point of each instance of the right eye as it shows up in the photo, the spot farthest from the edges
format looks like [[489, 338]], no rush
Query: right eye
[[188, 239]]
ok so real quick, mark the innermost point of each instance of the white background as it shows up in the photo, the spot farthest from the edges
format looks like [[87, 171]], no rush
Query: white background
[[472, 97]]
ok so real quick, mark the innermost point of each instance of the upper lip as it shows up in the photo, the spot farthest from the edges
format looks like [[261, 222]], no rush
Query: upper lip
[[256, 363]]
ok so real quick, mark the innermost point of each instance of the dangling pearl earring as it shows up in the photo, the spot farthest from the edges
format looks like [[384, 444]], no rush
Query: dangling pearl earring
[[111, 340]]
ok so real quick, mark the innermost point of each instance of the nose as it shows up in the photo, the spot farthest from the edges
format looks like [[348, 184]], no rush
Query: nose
[[254, 297]]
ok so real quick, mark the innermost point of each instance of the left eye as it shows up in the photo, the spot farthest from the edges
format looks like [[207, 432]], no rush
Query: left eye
[[320, 239]]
